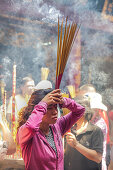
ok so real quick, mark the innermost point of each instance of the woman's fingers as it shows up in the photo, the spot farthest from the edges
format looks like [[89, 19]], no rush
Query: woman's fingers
[[57, 94], [54, 97], [55, 100], [70, 137], [56, 91]]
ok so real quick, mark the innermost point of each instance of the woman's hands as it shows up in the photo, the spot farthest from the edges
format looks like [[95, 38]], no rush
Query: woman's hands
[[71, 140], [54, 97]]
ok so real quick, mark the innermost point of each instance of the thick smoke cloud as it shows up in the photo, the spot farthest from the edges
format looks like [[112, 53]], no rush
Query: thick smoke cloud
[[30, 40]]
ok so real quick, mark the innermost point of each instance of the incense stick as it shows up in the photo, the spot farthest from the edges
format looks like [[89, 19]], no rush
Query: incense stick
[[64, 48], [44, 73], [71, 90]]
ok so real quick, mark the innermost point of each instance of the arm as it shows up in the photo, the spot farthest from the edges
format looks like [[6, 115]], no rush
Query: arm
[[91, 154], [8, 138], [27, 131], [67, 121]]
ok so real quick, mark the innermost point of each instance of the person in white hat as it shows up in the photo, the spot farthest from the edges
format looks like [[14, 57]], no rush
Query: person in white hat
[[97, 105], [96, 101], [43, 84], [84, 144]]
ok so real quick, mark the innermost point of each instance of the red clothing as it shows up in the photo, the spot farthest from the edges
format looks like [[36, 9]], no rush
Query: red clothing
[[36, 151], [103, 114], [111, 114]]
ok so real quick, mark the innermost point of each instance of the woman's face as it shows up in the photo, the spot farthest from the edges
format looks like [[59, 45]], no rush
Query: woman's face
[[52, 114]]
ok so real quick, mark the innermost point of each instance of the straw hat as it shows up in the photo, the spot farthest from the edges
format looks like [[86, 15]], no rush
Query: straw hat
[[96, 101], [44, 84]]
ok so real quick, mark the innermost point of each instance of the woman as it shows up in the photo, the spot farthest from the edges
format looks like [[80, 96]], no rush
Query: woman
[[40, 132], [84, 145]]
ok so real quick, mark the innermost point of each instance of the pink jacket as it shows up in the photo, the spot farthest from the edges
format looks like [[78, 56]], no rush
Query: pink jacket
[[36, 151]]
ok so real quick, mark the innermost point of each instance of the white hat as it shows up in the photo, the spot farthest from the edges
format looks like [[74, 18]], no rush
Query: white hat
[[44, 84], [96, 101]]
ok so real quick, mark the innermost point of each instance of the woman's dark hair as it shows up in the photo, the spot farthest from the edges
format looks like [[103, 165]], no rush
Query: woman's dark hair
[[35, 98], [88, 111]]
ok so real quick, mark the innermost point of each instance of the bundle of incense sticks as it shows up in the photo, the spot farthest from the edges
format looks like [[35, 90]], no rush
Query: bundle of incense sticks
[[44, 73], [72, 92], [64, 48]]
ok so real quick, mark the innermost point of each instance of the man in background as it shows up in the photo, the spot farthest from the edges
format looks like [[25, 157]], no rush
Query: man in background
[[90, 89], [26, 88]]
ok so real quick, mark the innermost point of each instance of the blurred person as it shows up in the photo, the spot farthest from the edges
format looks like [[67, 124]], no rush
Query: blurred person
[[86, 88], [7, 145], [104, 115], [111, 162], [3, 150], [111, 114], [89, 88], [111, 124], [43, 84], [97, 105], [111, 141], [26, 88], [40, 131], [84, 146]]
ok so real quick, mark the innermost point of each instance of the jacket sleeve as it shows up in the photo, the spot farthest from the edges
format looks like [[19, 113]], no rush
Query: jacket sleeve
[[67, 121], [27, 131]]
